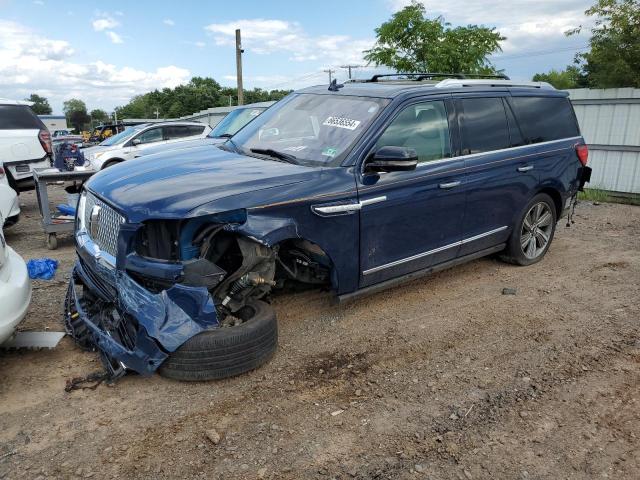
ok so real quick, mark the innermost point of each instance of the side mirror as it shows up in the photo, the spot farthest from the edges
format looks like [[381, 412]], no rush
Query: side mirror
[[135, 142], [392, 159]]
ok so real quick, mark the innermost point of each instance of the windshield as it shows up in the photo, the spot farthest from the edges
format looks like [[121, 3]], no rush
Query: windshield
[[234, 121], [120, 137], [316, 129]]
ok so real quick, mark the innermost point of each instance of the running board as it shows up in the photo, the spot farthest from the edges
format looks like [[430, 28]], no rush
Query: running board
[[347, 297]]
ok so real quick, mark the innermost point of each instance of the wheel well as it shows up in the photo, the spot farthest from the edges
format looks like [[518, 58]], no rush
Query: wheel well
[[111, 161], [555, 196], [303, 261]]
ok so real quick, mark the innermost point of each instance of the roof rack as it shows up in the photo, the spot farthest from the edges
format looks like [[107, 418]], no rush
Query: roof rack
[[419, 76], [452, 82]]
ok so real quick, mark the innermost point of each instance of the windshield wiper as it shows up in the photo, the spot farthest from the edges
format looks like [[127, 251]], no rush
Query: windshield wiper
[[276, 154], [224, 135]]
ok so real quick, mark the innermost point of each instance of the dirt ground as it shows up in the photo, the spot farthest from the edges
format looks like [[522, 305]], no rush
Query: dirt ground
[[441, 378]]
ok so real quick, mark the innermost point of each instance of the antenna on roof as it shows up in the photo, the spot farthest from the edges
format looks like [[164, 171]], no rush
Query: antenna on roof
[[334, 86]]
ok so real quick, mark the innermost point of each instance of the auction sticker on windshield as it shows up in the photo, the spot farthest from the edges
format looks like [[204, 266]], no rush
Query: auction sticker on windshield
[[342, 122]]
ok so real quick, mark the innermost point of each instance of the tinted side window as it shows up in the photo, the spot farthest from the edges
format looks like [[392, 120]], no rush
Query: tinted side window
[[176, 131], [484, 125], [18, 117], [423, 127], [195, 130], [152, 135], [545, 118]]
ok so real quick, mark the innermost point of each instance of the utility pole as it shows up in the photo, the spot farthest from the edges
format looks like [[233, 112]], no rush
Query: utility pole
[[330, 72], [239, 52], [157, 113], [349, 67]]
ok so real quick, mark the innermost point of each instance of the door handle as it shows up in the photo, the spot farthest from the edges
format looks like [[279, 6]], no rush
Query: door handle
[[525, 169], [449, 185]]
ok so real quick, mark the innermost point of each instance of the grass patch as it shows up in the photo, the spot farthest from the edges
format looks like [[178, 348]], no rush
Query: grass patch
[[604, 196]]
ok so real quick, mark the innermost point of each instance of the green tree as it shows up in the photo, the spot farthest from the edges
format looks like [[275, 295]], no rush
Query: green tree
[[76, 112], [98, 116], [40, 104], [411, 42], [571, 77], [614, 57], [199, 94]]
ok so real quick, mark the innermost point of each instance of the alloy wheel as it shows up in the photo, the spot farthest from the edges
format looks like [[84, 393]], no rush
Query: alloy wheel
[[537, 228]]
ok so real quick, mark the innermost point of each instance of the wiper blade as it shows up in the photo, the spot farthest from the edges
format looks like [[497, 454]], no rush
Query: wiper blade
[[276, 154], [224, 135]]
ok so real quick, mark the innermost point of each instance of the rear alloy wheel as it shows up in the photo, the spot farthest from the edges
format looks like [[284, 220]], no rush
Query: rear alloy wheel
[[247, 341], [536, 230], [532, 235]]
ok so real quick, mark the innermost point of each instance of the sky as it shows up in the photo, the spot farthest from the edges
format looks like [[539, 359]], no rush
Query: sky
[[106, 52]]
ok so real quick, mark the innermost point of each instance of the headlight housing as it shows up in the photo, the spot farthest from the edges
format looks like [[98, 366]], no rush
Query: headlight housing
[[80, 217]]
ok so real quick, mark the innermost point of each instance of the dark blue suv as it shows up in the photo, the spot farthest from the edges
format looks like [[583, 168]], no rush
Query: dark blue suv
[[354, 187]]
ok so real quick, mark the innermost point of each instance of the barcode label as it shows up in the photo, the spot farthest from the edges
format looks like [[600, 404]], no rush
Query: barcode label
[[341, 122]]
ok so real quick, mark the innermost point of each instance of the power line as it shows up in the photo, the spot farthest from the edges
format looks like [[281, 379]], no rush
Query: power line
[[349, 67], [539, 53]]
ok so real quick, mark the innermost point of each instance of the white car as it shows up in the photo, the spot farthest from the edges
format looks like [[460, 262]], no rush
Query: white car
[[9, 205], [15, 286], [25, 143], [129, 143]]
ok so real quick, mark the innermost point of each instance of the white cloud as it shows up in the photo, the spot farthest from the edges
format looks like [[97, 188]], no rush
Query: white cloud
[[105, 23], [200, 44], [32, 63], [38, 2], [262, 36], [169, 22], [114, 37], [528, 25]]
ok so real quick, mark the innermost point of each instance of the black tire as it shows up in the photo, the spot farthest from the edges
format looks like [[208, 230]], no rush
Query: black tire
[[515, 252], [226, 351]]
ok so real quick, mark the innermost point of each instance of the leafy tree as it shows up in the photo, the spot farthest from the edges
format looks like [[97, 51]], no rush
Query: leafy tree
[[76, 112], [199, 94], [571, 77], [411, 42], [614, 57], [40, 104], [99, 116]]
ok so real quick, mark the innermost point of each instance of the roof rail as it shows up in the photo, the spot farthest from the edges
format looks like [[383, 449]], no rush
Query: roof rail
[[418, 76], [451, 82]]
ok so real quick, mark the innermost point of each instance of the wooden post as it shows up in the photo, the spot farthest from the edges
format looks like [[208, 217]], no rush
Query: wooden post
[[239, 67]]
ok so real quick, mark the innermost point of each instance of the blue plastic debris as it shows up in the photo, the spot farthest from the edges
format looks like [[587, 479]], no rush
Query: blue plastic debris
[[66, 209], [42, 268]]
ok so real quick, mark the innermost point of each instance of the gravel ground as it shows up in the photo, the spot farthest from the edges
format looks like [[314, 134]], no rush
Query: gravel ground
[[441, 378]]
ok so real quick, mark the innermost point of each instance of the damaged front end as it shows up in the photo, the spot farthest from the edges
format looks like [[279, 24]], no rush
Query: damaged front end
[[140, 291]]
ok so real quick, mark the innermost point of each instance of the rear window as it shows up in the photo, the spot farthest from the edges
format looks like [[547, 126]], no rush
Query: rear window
[[543, 119], [15, 117], [484, 125]]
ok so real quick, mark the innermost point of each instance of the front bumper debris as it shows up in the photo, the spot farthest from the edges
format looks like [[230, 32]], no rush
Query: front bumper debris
[[135, 329]]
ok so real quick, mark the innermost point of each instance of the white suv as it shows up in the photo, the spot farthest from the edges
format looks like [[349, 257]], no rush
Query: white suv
[[25, 144], [129, 143]]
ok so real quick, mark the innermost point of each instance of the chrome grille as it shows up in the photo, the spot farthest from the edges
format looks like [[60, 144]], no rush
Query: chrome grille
[[109, 222]]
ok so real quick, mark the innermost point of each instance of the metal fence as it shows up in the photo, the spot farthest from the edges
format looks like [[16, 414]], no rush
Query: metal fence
[[610, 123]]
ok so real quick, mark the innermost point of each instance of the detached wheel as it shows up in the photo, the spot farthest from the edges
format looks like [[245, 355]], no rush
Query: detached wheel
[[229, 350], [52, 241], [533, 233]]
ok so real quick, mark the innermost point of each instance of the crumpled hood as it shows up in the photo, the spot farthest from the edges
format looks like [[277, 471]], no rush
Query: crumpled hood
[[171, 185], [197, 142]]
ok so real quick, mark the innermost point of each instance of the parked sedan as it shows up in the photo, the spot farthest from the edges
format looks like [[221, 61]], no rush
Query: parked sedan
[[130, 142], [227, 127]]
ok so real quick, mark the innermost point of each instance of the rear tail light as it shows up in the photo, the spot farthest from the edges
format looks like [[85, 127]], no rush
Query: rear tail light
[[583, 153], [45, 140], [1, 172]]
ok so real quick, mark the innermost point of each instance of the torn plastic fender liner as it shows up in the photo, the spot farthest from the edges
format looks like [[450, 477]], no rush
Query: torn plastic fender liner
[[168, 319]]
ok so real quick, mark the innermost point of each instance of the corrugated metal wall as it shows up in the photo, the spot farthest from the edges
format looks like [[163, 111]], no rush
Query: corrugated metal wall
[[610, 123]]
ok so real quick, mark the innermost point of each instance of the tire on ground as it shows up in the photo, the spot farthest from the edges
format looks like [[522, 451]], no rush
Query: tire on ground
[[226, 351], [513, 252]]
